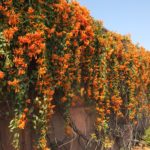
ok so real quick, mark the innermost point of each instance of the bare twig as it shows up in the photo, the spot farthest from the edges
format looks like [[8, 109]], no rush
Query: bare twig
[[70, 141]]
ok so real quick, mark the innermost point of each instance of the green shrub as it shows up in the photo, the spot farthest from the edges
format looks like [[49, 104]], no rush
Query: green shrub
[[147, 136]]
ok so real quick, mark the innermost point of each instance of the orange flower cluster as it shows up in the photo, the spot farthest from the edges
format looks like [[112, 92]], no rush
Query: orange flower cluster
[[35, 43], [23, 119], [9, 33]]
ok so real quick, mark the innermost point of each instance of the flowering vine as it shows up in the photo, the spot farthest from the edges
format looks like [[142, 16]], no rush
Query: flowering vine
[[53, 54]]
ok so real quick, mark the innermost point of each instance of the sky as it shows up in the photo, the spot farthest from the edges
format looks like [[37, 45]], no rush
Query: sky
[[123, 16]]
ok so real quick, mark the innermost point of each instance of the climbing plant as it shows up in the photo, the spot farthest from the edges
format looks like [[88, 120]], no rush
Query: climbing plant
[[51, 53]]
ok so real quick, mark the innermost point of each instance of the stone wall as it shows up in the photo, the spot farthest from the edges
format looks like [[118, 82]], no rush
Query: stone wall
[[83, 119]]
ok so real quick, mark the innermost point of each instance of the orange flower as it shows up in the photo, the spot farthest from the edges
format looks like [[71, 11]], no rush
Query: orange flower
[[18, 51], [26, 110], [18, 61], [21, 124], [52, 30], [30, 10], [65, 66], [75, 43], [46, 148], [83, 36], [9, 33], [2, 75], [67, 56], [59, 34], [42, 71], [51, 92], [122, 67], [61, 59], [43, 16], [86, 42], [28, 101], [1, 7], [77, 25], [54, 56], [40, 61], [14, 82], [89, 92], [63, 99], [43, 141], [23, 116], [13, 18], [24, 39], [8, 2], [68, 43], [21, 72], [108, 111], [65, 16], [99, 120]]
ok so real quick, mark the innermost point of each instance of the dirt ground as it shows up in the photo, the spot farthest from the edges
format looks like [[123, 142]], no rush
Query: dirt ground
[[141, 148]]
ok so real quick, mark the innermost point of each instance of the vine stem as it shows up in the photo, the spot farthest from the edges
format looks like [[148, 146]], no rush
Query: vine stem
[[70, 141]]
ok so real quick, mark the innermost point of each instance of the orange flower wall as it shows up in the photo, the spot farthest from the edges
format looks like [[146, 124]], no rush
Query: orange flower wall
[[52, 52]]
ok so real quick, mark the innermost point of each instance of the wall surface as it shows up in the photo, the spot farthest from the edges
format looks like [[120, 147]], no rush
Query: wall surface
[[83, 119]]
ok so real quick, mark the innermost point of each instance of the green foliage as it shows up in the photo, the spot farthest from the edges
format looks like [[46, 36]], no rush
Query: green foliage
[[146, 137]]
